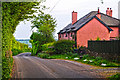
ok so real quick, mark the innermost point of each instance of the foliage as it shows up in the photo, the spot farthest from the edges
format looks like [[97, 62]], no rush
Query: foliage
[[115, 77], [6, 66], [97, 61], [117, 38], [43, 55], [98, 39], [63, 46], [44, 20], [12, 14], [48, 47], [16, 52], [46, 27]]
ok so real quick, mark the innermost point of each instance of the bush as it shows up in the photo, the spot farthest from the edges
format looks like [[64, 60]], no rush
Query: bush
[[63, 46], [85, 56], [43, 55], [16, 52], [48, 47], [6, 67], [98, 39], [28, 50]]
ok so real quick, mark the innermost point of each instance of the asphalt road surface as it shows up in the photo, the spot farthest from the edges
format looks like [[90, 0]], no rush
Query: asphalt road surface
[[27, 66]]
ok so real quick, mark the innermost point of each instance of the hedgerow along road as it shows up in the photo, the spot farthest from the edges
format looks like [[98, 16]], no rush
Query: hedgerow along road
[[26, 66]]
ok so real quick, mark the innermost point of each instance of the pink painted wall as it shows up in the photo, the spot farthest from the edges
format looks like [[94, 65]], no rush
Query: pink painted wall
[[115, 32], [92, 30], [63, 36]]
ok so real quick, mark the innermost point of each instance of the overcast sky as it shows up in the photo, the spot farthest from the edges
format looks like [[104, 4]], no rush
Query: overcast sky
[[63, 13]]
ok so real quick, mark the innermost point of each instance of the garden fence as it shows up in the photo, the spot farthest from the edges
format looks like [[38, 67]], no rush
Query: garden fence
[[111, 47]]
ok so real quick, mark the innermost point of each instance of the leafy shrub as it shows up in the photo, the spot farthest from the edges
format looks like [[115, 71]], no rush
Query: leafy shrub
[[63, 46], [69, 53], [43, 55], [6, 67], [85, 56], [98, 58], [98, 39], [16, 52], [28, 50], [75, 55], [48, 47]]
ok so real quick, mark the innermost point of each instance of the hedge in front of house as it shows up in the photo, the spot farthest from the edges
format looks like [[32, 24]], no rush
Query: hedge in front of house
[[63, 46]]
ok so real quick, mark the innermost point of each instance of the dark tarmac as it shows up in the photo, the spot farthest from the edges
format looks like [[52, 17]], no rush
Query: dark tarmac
[[26, 66]]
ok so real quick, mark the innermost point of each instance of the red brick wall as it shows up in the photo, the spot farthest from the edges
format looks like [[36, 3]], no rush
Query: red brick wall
[[92, 30], [74, 17]]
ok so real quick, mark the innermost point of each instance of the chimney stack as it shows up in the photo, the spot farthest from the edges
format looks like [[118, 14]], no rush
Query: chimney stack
[[98, 15], [109, 12], [74, 17], [98, 10]]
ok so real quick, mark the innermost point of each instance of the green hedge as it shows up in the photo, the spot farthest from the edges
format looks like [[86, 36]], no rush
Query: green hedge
[[6, 67], [11, 17], [48, 47], [63, 46], [16, 52], [43, 55]]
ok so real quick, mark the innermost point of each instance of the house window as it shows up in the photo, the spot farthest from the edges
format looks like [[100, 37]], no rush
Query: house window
[[66, 35], [71, 34], [62, 35]]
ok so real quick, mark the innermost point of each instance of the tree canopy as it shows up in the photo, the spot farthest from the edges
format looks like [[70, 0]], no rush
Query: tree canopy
[[18, 11], [12, 14], [45, 25]]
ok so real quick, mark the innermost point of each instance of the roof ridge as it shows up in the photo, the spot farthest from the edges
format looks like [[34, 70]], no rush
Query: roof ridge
[[110, 16], [85, 16]]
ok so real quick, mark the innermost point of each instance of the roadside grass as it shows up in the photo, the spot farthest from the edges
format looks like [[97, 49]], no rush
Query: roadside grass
[[114, 77], [96, 61]]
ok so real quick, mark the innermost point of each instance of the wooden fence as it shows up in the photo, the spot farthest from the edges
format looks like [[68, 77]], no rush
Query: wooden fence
[[111, 47]]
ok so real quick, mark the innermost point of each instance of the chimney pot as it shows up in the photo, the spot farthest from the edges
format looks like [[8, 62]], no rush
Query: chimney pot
[[109, 12], [98, 10]]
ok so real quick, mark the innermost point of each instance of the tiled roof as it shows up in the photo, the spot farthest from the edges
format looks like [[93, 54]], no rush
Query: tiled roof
[[105, 19]]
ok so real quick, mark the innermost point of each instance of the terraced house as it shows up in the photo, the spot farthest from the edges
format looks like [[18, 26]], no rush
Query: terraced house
[[91, 26]]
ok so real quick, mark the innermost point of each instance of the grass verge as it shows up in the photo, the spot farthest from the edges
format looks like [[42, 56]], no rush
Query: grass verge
[[96, 61], [115, 77]]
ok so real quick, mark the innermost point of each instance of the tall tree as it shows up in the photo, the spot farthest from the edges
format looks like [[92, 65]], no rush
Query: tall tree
[[45, 24]]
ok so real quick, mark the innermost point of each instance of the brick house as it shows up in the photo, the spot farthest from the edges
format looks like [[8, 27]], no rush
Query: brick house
[[91, 26]]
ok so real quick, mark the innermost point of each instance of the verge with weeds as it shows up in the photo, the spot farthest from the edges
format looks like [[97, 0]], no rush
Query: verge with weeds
[[97, 61]]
